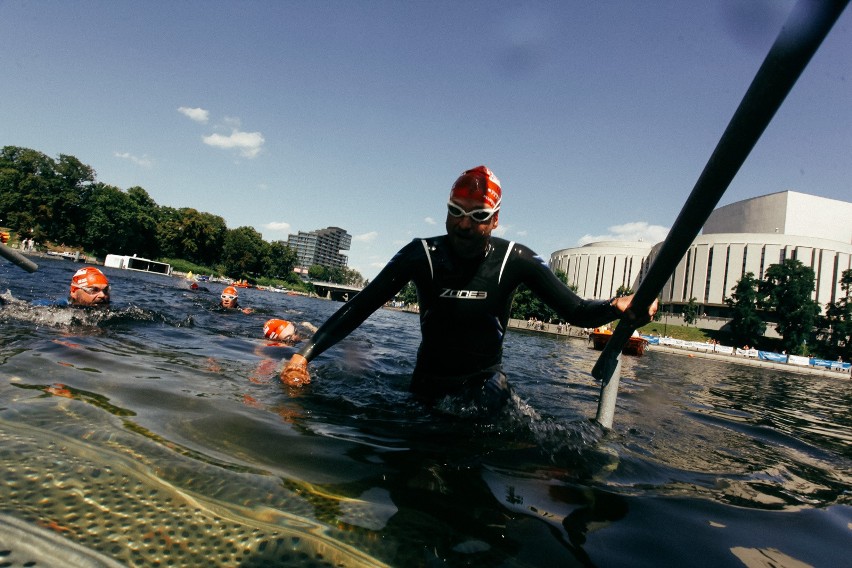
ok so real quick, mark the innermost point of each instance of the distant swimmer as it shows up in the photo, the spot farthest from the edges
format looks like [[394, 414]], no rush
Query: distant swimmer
[[230, 300]]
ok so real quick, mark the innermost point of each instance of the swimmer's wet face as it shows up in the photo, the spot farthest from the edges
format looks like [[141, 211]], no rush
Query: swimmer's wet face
[[89, 287], [472, 211], [229, 297], [90, 295]]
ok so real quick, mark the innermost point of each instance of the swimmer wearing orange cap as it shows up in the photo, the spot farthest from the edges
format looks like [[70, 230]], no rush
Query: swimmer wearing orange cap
[[465, 280], [229, 298], [280, 330], [89, 287]]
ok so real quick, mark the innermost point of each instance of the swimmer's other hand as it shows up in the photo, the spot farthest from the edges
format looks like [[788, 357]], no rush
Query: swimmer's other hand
[[295, 372]]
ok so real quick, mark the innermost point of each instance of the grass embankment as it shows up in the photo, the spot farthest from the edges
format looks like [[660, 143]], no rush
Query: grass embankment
[[688, 333], [185, 266], [684, 332]]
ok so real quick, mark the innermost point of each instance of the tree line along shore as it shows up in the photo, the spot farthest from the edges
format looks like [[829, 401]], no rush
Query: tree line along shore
[[59, 205]]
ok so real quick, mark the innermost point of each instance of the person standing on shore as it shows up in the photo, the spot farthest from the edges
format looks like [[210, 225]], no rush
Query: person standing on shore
[[465, 283]]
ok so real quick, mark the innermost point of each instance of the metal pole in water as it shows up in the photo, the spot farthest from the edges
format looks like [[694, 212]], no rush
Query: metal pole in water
[[15, 257]]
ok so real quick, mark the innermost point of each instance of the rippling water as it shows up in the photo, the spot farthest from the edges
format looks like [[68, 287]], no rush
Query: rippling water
[[156, 433]]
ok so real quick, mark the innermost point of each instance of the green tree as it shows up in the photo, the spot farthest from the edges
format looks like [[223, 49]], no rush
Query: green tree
[[114, 224], [690, 312], [280, 260], [192, 235], [747, 327], [243, 252], [352, 277], [408, 294], [337, 275], [74, 186], [563, 277], [527, 305], [147, 214], [319, 273], [28, 182], [786, 290], [834, 340], [623, 291], [43, 198]]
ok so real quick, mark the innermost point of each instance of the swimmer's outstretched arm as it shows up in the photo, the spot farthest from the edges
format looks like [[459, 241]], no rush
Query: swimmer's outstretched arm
[[385, 286]]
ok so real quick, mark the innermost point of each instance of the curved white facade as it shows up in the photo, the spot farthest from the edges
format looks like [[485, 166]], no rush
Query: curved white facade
[[714, 263], [747, 236], [599, 269]]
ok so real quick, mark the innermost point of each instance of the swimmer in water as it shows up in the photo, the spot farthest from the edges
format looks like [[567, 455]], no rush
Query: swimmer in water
[[230, 300], [281, 331], [466, 280], [89, 287]]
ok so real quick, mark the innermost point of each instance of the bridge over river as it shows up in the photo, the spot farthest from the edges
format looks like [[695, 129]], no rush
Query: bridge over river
[[337, 292]]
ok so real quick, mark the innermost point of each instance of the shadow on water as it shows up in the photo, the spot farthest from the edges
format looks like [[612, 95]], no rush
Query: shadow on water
[[156, 432]]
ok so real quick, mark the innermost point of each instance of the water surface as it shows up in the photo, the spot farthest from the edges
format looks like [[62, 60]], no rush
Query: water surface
[[156, 433]]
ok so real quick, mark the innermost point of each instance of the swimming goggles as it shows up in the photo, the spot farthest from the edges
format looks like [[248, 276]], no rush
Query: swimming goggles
[[478, 215], [92, 290], [228, 297]]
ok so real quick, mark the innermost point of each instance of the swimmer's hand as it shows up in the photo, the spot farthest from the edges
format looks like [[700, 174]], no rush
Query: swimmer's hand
[[295, 372]]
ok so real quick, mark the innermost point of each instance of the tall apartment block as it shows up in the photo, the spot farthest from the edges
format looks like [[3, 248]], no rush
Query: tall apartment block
[[321, 247]]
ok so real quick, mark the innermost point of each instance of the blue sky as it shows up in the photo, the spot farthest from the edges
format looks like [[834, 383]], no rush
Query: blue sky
[[598, 117]]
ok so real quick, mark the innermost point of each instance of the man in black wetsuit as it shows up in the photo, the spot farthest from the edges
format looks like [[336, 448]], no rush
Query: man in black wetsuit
[[465, 282]]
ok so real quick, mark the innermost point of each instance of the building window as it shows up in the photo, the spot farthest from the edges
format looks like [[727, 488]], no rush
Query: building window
[[709, 272], [597, 277], [686, 274]]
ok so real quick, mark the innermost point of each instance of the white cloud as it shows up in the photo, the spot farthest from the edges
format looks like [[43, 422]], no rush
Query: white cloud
[[500, 231], [366, 237], [144, 161], [636, 231], [430, 221], [248, 143], [278, 226], [196, 114]]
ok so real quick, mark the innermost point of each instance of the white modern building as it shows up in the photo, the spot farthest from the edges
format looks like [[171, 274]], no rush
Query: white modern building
[[599, 269], [747, 236]]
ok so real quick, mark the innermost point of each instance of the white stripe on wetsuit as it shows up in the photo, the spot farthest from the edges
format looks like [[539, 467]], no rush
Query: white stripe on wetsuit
[[505, 260], [428, 257]]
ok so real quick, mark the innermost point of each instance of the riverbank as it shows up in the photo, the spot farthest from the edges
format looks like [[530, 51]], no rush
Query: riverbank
[[749, 362], [580, 333]]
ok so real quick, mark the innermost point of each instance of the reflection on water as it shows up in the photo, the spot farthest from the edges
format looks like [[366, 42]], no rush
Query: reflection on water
[[156, 432]]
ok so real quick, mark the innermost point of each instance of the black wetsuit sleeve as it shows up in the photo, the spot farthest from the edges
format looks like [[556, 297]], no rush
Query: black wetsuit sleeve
[[571, 307], [385, 286]]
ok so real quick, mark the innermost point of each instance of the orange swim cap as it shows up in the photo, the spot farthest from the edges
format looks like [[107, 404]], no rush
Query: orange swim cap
[[480, 184], [230, 290], [278, 329], [88, 276]]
